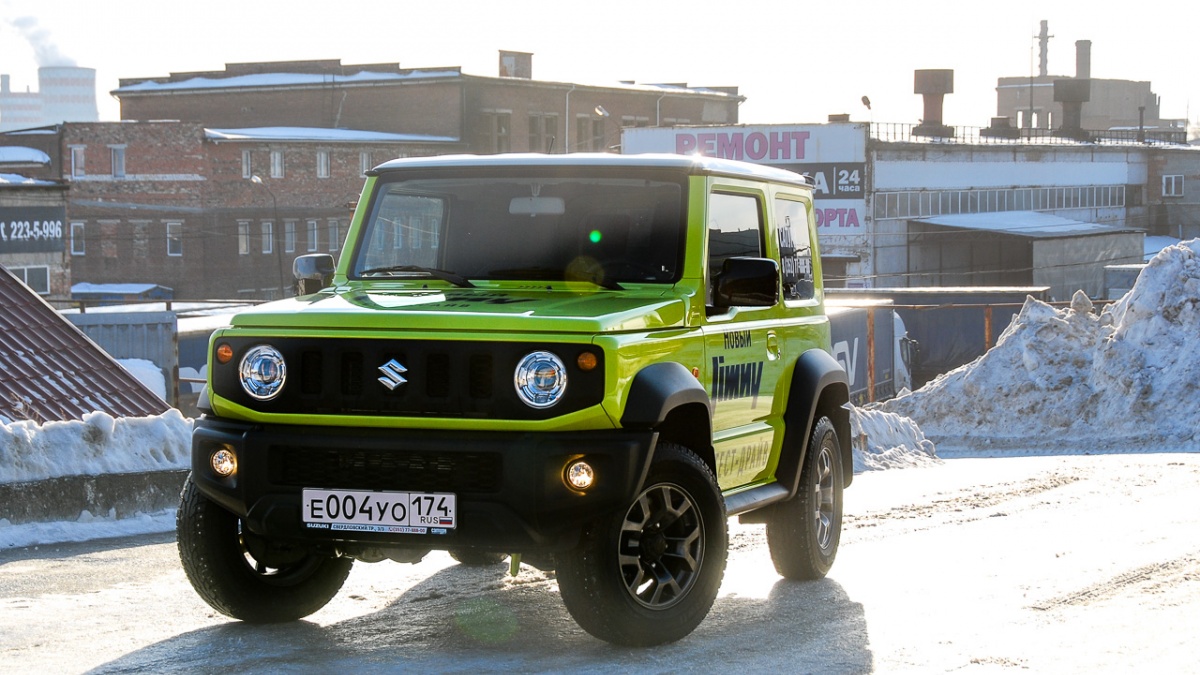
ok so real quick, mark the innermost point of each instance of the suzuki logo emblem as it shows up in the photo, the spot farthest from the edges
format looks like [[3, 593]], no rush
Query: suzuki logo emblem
[[393, 374]]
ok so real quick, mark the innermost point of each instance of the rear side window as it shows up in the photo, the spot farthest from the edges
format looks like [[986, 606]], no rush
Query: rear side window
[[795, 249]]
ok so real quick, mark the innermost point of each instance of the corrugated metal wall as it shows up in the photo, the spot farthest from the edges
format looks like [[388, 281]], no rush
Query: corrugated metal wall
[[137, 335]]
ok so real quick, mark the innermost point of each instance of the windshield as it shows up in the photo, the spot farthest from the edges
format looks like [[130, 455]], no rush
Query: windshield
[[601, 229]]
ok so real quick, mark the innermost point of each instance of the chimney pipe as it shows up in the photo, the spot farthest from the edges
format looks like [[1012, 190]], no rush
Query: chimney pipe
[[933, 85], [1083, 59], [1043, 47]]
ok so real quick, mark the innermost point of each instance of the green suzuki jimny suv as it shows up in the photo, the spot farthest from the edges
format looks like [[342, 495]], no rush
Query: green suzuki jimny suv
[[586, 362]]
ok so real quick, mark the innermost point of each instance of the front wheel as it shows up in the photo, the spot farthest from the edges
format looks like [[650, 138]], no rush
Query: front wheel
[[803, 532], [245, 576], [649, 573]]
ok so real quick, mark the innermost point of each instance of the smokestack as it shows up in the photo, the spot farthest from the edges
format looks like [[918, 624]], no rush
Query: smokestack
[[1043, 37], [933, 85], [3, 84], [1083, 59]]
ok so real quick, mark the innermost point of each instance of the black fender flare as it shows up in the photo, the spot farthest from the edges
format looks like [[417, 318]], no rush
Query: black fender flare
[[668, 399], [819, 387], [658, 389]]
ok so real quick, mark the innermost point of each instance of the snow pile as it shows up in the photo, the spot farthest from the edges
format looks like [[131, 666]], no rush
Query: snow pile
[[148, 374], [884, 440], [1126, 377], [98, 444]]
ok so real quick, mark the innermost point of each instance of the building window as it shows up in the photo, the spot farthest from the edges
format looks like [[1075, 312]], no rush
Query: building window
[[589, 134], [1172, 186], [493, 131], [543, 131], [117, 153], [77, 240], [268, 237], [77, 169], [243, 237], [289, 236], [247, 166], [335, 238], [364, 162], [36, 278], [276, 164], [312, 235], [174, 238], [322, 164], [397, 233]]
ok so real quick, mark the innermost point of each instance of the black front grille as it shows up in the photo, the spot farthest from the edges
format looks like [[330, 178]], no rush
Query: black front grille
[[382, 469], [441, 378]]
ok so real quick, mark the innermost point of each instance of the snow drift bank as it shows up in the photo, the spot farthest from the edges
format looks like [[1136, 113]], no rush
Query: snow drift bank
[[884, 440], [98, 444], [1126, 377]]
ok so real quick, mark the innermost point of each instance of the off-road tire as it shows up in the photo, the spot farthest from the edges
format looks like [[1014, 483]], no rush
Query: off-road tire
[[803, 532], [649, 573], [280, 584]]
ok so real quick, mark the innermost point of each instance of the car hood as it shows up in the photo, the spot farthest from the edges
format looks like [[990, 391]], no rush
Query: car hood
[[474, 309]]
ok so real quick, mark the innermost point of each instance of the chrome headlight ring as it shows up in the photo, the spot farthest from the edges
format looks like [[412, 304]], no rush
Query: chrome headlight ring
[[263, 372], [540, 379]]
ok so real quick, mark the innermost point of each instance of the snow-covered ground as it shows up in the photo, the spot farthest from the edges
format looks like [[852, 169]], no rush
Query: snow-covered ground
[[1125, 379]]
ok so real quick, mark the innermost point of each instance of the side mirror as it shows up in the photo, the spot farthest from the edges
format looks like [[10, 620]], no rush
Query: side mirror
[[747, 282], [312, 272]]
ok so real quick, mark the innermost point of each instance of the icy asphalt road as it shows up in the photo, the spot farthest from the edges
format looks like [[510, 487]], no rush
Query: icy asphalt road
[[1033, 564]]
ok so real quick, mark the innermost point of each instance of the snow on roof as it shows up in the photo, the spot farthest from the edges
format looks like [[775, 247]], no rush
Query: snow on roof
[[1156, 243], [115, 289], [1021, 223], [17, 154], [1118, 380], [320, 134], [285, 80], [17, 179]]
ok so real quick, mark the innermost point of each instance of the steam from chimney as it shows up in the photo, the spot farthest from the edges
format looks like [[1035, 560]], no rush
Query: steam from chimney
[[44, 50]]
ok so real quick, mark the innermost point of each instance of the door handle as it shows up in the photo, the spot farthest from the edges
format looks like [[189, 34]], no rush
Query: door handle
[[772, 345]]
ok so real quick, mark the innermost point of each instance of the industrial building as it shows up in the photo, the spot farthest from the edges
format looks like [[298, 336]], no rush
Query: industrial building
[[65, 94]]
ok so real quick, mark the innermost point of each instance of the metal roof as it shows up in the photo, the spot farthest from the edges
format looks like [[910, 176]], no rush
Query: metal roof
[[1031, 224], [50, 370]]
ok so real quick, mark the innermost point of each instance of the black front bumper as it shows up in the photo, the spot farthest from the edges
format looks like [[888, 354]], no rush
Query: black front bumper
[[509, 486]]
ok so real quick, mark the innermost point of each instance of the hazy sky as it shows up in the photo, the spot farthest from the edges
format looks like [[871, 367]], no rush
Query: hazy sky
[[794, 61]]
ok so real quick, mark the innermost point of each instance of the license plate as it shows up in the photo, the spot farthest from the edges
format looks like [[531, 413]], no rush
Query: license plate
[[391, 512]]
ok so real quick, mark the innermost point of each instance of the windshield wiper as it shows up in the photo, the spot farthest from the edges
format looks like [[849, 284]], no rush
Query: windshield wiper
[[441, 275]]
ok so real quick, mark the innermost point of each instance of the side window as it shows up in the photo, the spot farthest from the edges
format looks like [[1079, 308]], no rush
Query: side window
[[734, 229], [795, 249]]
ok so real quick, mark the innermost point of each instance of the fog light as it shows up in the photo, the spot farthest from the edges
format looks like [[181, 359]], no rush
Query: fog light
[[580, 475], [224, 463]]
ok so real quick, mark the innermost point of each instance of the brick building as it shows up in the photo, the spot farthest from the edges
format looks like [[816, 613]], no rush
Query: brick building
[[250, 167], [209, 213], [511, 112]]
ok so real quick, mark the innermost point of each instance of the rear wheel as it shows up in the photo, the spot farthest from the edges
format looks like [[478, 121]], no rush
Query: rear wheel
[[803, 532], [649, 573], [245, 576]]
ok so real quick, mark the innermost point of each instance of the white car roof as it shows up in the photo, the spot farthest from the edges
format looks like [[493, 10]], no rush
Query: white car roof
[[690, 163]]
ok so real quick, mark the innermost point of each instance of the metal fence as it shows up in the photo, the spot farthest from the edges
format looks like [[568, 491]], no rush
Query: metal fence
[[893, 132]]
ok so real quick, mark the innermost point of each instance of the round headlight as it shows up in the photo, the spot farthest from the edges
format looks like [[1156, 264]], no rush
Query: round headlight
[[541, 379], [263, 372]]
